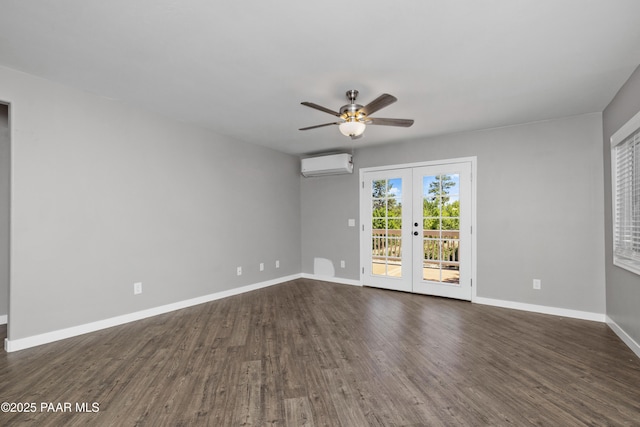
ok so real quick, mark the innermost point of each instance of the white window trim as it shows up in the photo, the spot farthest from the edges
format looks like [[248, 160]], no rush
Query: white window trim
[[628, 129]]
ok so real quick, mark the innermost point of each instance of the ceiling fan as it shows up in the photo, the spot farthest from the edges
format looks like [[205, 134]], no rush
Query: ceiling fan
[[354, 117]]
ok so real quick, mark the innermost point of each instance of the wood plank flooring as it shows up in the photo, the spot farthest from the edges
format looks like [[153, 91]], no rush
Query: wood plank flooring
[[309, 353]]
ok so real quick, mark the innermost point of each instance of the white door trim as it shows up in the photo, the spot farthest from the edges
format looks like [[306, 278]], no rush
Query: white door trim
[[364, 214]]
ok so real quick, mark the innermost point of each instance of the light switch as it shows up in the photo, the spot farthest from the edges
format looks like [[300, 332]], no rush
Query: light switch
[[352, 222]]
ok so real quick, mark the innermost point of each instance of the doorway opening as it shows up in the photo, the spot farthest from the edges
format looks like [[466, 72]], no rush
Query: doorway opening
[[417, 227]]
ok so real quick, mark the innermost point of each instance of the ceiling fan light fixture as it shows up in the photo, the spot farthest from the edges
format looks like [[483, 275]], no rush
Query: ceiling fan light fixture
[[352, 128]]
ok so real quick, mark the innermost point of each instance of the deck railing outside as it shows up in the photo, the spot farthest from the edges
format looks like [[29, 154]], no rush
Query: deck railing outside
[[387, 244]]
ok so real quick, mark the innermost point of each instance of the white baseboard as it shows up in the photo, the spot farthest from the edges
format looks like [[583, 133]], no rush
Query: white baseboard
[[24, 343], [331, 279], [4, 319], [630, 342], [576, 314], [48, 337], [555, 311]]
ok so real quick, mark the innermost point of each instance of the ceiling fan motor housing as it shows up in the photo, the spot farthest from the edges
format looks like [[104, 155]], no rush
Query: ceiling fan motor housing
[[350, 112]]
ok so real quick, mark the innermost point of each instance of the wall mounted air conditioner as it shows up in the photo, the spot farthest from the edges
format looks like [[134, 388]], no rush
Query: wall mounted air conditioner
[[334, 164]]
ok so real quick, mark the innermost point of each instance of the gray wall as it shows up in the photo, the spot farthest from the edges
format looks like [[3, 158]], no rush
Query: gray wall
[[105, 195], [623, 287], [5, 164], [540, 209], [328, 203]]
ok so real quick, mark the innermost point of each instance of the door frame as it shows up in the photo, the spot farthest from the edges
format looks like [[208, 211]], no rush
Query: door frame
[[365, 214]]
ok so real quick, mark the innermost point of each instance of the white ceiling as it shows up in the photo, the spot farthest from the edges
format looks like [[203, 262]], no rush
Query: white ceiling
[[241, 68]]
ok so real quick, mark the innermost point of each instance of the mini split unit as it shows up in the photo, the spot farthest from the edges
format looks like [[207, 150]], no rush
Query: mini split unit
[[335, 164]]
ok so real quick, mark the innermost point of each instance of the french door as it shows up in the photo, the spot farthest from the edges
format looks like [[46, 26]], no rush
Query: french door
[[416, 229]]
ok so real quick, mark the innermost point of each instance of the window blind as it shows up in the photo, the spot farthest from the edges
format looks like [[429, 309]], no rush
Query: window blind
[[626, 241]]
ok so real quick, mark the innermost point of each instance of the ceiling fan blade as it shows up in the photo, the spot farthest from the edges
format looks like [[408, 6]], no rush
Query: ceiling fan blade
[[405, 123], [319, 126], [321, 108], [380, 102]]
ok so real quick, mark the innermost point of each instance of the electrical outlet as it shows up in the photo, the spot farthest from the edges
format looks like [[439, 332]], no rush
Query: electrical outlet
[[239, 271], [137, 288], [277, 263], [262, 266], [536, 283], [342, 264]]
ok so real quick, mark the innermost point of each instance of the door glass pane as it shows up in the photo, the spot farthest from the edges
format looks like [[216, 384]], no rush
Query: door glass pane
[[394, 208], [394, 187], [450, 250], [450, 224], [451, 273], [431, 249], [451, 206], [431, 272], [441, 232], [386, 227], [378, 267], [379, 189], [432, 224]]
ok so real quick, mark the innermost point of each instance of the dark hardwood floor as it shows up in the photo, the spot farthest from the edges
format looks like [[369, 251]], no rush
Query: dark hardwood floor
[[320, 354]]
